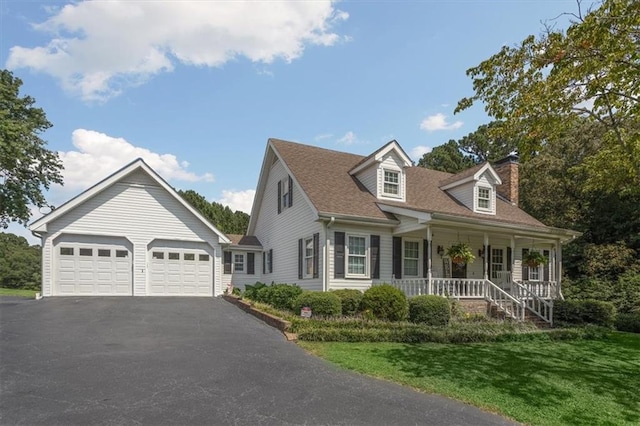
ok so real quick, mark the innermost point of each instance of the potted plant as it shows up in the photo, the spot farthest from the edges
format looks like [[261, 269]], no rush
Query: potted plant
[[460, 254], [534, 258]]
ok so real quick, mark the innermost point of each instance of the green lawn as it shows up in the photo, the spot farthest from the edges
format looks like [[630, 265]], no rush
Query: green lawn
[[540, 383], [17, 292]]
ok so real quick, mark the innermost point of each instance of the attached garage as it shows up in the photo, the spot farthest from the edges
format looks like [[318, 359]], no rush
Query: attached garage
[[130, 235]]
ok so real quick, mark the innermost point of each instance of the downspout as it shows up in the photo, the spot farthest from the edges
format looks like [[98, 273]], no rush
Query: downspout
[[42, 274], [325, 275]]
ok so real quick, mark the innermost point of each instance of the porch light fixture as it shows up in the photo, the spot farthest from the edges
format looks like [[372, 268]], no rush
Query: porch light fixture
[[440, 250]]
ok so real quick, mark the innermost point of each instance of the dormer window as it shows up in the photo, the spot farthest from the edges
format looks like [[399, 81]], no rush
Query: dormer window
[[391, 184], [484, 198]]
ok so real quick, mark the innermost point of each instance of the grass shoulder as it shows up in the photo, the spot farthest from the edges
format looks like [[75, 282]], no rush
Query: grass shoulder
[[16, 292]]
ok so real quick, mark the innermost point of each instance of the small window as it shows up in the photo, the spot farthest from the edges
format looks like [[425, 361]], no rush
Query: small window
[[124, 253], [66, 251], [203, 257], [189, 256], [238, 262], [158, 255], [308, 257], [411, 258], [484, 198], [104, 253], [391, 183], [86, 252], [174, 256], [286, 193]]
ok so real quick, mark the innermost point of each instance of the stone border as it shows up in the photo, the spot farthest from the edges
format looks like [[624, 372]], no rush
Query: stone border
[[267, 318]]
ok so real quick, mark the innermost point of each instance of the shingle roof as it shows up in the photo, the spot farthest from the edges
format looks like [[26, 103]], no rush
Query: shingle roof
[[244, 240], [462, 175], [324, 176]]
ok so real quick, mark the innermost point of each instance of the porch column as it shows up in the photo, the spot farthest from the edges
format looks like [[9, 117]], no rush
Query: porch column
[[513, 259], [558, 268], [486, 256], [429, 252]]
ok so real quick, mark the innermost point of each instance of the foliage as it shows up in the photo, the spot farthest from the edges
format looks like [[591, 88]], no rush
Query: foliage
[[483, 146], [221, 216], [624, 292], [321, 303], [385, 302], [606, 261], [589, 72], [19, 263], [280, 296], [18, 292], [446, 158], [26, 165], [460, 253], [251, 291], [627, 292], [350, 299], [534, 258], [578, 382], [580, 312], [628, 322], [429, 310]]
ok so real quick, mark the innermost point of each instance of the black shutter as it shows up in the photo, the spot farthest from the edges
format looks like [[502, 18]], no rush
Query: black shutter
[[300, 257], [251, 263], [290, 191], [279, 196], [316, 255], [397, 257], [227, 262], [546, 267], [264, 262], [487, 255], [425, 257], [270, 260], [525, 268], [338, 255], [509, 258], [375, 256]]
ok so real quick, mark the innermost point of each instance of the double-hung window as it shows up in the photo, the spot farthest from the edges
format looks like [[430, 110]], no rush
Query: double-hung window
[[484, 198], [308, 257], [391, 183], [497, 262], [238, 262], [357, 256], [411, 258]]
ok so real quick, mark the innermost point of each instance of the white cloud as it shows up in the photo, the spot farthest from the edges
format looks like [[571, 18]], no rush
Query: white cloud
[[418, 151], [349, 138], [97, 48], [99, 155], [438, 122], [323, 136], [238, 200]]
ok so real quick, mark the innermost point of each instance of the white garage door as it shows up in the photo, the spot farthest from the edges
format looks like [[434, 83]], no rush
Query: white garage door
[[180, 272], [84, 269]]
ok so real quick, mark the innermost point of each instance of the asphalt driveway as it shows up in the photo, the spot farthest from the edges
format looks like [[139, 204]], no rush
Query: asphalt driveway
[[186, 361]]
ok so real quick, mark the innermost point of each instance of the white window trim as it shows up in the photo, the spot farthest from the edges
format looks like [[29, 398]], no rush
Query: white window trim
[[412, 240], [477, 199], [267, 262], [233, 262], [284, 196], [367, 257], [387, 194], [305, 273]]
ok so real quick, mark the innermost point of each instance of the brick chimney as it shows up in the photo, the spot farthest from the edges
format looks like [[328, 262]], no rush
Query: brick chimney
[[507, 169]]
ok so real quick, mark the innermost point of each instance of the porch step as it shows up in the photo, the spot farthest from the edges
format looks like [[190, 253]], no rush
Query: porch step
[[533, 318]]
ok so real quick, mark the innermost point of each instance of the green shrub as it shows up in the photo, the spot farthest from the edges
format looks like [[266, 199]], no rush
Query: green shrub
[[385, 302], [429, 310], [251, 291], [627, 292], [628, 322], [580, 312], [280, 296], [321, 303], [350, 299]]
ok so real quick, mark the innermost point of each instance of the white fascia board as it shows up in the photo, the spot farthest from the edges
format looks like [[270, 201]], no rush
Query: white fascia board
[[458, 182], [485, 168], [357, 220], [395, 146], [262, 183], [422, 217]]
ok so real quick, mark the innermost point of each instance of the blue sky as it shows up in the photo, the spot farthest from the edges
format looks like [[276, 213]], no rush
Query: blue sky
[[197, 88]]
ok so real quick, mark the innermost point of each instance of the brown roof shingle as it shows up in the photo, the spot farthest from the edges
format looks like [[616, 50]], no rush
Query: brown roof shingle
[[244, 240], [324, 176]]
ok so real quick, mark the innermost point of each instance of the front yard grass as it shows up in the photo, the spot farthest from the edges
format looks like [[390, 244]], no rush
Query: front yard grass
[[589, 382], [17, 292]]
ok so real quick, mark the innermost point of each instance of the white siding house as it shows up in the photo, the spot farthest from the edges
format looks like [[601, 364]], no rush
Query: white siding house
[[129, 235]]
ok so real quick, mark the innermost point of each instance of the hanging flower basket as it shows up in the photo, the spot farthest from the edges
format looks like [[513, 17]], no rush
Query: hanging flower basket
[[533, 259], [460, 254]]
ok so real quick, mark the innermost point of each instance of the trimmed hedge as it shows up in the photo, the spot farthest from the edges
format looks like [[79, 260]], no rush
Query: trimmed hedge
[[280, 296], [429, 310], [628, 322], [350, 299], [321, 303], [579, 312], [385, 302]]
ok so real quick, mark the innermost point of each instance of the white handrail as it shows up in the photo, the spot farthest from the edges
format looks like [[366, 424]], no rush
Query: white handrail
[[509, 304], [535, 303]]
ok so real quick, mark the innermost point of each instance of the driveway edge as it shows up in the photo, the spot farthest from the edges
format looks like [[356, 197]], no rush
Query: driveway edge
[[267, 318]]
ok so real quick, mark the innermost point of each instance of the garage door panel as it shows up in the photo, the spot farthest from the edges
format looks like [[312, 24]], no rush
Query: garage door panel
[[184, 272]]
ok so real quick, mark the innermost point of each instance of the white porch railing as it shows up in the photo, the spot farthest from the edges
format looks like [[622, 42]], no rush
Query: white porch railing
[[535, 303], [460, 288], [544, 289], [503, 300]]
